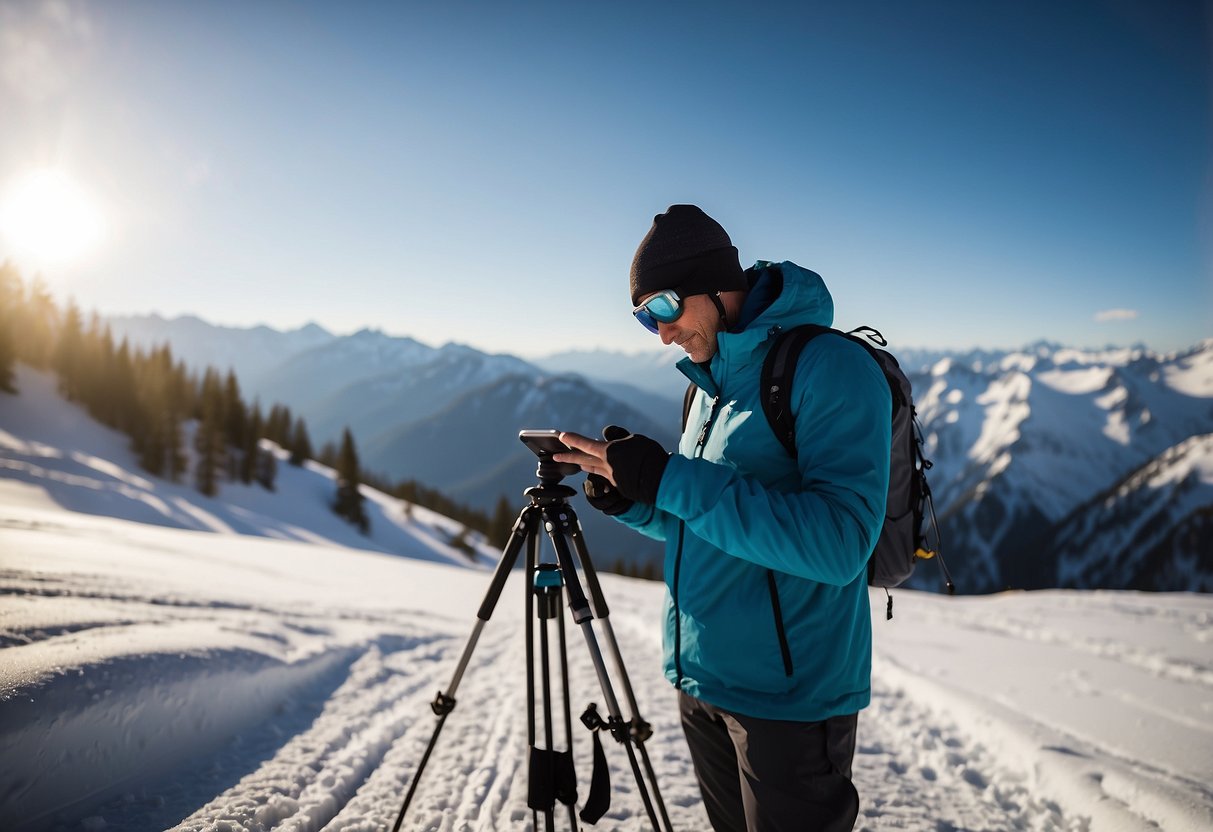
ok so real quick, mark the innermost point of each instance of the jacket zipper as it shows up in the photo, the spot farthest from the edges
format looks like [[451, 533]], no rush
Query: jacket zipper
[[700, 442], [784, 650]]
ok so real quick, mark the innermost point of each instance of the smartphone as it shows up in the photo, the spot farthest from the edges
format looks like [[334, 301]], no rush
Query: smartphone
[[543, 443]]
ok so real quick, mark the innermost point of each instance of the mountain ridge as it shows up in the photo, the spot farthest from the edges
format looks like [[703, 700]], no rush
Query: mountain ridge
[[1020, 439]]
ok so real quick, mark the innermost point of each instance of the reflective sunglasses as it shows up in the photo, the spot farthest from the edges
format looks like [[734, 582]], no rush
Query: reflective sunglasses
[[663, 307]]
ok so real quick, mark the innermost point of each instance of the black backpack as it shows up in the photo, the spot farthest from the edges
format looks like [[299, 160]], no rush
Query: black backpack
[[903, 541]]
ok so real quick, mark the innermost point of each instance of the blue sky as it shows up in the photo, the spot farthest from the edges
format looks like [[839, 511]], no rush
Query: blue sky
[[961, 174]]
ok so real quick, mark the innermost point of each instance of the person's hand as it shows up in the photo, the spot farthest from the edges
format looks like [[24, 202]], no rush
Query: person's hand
[[632, 462], [590, 454], [605, 497]]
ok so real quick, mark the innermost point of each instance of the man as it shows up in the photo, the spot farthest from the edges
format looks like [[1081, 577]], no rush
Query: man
[[767, 628]]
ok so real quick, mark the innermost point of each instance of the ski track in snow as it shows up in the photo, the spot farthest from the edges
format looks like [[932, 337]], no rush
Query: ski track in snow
[[158, 678], [339, 745]]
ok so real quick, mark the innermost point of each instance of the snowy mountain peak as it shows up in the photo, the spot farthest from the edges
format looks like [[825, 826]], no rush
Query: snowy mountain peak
[[1019, 445]]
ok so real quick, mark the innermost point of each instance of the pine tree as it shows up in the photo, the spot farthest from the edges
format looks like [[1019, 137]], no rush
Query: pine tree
[[122, 398], [502, 523], [267, 469], [174, 446], [11, 295], [252, 449], [161, 403], [278, 426], [235, 420], [34, 329], [349, 497], [327, 455], [209, 436], [152, 446], [461, 542], [300, 444], [208, 442], [92, 372], [69, 353]]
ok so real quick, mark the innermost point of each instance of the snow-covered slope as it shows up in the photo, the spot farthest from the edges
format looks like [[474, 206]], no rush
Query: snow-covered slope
[[242, 663], [156, 678], [1157, 525], [60, 454]]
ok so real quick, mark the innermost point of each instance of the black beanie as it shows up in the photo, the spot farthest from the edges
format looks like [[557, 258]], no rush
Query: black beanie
[[688, 251]]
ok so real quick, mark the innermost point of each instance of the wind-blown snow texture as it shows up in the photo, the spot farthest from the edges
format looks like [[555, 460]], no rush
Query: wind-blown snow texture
[[238, 665]]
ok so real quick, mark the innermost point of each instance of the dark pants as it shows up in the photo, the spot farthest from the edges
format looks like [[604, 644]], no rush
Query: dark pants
[[764, 775]]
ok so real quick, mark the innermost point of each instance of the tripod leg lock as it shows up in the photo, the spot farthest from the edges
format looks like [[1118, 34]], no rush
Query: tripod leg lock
[[442, 704], [622, 731], [592, 719], [640, 731]]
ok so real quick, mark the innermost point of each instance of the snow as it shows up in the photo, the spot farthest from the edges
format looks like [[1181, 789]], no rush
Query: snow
[[1006, 408], [165, 678], [86, 467], [1076, 381], [161, 674], [1193, 374]]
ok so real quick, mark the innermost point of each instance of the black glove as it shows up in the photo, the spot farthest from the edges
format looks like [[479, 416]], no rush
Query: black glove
[[598, 489], [637, 464], [603, 496]]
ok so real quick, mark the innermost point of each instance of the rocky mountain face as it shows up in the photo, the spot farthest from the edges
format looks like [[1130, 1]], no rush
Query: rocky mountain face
[[1031, 447]]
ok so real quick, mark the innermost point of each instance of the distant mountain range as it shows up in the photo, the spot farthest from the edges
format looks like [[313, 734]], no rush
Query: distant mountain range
[[1047, 459], [1049, 467], [447, 417]]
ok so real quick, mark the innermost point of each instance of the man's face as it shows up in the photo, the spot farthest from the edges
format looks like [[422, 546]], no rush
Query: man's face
[[695, 330]]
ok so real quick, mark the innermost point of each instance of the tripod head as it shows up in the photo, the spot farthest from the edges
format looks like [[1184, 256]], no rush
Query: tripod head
[[544, 443], [550, 472]]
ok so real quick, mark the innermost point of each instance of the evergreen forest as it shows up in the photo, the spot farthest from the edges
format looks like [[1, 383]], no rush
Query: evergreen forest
[[162, 405]]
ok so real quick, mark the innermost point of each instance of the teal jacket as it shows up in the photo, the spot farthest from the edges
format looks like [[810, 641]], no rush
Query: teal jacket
[[766, 556]]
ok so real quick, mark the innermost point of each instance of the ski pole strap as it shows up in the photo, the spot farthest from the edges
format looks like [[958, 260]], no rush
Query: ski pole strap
[[599, 798]]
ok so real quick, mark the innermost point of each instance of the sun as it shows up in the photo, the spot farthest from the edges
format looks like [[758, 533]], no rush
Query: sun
[[47, 218]]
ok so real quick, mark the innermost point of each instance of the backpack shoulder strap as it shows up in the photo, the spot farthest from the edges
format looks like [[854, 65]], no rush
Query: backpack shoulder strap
[[778, 370]]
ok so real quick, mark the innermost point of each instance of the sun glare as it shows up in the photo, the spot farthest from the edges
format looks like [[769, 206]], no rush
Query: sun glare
[[47, 218]]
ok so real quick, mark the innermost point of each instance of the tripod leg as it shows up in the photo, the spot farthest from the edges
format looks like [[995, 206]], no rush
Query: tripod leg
[[552, 778], [558, 521], [568, 717], [425, 758], [532, 559], [444, 703], [549, 758], [641, 730]]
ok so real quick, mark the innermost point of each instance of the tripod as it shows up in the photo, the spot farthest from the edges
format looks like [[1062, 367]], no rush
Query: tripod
[[550, 773]]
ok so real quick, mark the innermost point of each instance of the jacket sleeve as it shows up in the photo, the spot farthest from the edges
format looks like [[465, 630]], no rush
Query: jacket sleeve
[[646, 519], [826, 529]]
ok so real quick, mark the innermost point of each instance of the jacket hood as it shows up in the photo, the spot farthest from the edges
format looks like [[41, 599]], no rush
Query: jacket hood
[[782, 295], [799, 295]]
